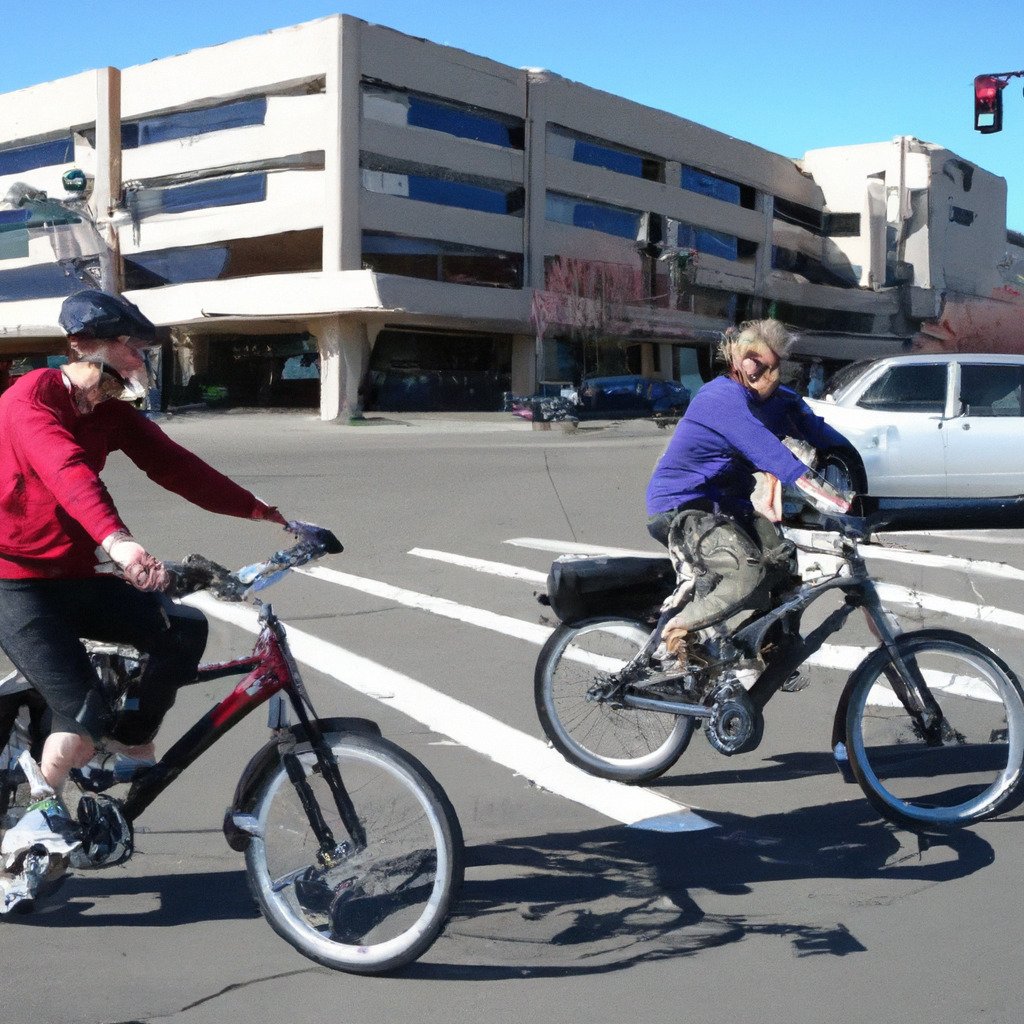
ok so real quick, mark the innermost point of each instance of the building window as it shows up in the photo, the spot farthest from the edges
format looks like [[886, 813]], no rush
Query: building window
[[694, 180], [199, 195], [794, 213], [183, 124], [40, 154], [585, 213], [714, 243], [291, 252], [441, 186], [435, 260], [41, 281], [810, 269], [583, 149], [841, 225], [414, 110]]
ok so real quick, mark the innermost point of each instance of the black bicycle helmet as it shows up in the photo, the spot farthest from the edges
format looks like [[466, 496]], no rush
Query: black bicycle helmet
[[95, 314]]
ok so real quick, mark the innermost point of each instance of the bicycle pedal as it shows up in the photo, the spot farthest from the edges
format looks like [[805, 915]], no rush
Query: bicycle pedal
[[795, 683]]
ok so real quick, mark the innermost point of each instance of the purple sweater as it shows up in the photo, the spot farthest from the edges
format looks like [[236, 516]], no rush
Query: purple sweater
[[727, 434]]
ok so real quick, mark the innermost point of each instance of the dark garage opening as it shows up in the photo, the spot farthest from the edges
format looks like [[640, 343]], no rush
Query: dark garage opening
[[425, 371]]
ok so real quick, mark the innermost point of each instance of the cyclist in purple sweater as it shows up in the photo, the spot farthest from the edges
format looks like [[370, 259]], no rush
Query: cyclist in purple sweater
[[699, 496]]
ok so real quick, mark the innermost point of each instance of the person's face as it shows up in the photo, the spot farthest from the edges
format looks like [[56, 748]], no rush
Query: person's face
[[759, 372], [95, 386], [126, 359]]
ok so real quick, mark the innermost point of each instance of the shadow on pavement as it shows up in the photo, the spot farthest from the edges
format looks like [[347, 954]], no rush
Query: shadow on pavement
[[111, 897], [600, 901]]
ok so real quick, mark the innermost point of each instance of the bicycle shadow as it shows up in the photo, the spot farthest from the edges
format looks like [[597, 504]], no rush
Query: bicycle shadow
[[601, 901], [113, 898]]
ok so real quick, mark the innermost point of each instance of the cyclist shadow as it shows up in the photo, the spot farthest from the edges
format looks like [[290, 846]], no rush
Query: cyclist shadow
[[601, 901], [112, 898]]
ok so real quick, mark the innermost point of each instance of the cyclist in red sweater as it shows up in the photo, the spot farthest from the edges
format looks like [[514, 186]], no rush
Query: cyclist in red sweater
[[57, 427]]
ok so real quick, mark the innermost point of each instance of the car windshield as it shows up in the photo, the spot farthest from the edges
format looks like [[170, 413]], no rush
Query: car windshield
[[844, 377]]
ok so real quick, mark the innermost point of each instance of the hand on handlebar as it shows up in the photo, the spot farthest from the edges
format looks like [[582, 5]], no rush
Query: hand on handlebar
[[822, 496], [137, 565], [269, 514]]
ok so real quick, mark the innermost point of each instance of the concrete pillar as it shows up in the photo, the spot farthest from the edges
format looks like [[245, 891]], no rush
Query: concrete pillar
[[106, 192], [344, 347], [342, 236], [647, 359], [666, 367], [524, 365], [184, 356]]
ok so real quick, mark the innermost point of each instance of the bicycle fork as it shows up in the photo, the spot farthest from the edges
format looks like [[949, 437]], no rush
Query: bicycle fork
[[903, 673], [330, 851]]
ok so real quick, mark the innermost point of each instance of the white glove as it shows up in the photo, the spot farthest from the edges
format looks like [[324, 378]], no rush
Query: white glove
[[139, 567], [824, 497]]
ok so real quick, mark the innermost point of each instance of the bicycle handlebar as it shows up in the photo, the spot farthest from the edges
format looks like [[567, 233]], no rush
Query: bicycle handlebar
[[196, 572]]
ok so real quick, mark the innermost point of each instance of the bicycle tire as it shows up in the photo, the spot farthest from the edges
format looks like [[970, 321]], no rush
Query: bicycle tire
[[975, 771], [382, 906], [624, 744]]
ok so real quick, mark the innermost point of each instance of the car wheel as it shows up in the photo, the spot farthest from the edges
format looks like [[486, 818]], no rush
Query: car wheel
[[843, 470]]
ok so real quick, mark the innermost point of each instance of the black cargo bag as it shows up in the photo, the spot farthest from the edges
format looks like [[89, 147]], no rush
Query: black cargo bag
[[582, 588]]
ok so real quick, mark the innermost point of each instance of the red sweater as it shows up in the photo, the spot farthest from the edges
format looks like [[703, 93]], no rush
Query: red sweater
[[54, 509]]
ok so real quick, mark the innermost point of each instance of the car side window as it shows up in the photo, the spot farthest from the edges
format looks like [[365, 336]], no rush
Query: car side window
[[990, 389], [920, 388]]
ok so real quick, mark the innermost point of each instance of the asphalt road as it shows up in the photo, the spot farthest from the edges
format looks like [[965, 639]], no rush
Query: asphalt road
[[798, 905]]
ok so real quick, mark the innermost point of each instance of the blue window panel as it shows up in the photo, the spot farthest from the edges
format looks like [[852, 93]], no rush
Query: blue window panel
[[611, 159], [610, 220], [42, 154], [457, 193], [708, 185], [246, 188], [176, 266], [39, 282], [714, 243], [466, 124], [184, 123]]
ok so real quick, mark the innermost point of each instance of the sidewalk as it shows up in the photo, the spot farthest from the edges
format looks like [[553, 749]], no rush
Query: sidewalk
[[399, 423]]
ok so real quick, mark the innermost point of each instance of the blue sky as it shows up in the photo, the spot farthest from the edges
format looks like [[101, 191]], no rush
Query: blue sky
[[789, 75]]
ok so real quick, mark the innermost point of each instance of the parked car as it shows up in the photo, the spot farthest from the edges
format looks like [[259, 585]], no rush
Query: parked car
[[935, 425], [631, 396]]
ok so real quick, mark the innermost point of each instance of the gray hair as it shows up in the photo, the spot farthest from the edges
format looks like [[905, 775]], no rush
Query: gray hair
[[757, 336]]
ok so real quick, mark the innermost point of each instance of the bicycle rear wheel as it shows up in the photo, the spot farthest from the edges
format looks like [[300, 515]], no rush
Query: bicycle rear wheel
[[974, 770], [606, 740], [378, 907]]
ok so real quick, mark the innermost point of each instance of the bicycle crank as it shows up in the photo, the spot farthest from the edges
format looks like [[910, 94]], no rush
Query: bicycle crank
[[735, 723]]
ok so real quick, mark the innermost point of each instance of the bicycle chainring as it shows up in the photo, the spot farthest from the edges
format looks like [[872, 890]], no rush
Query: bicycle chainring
[[735, 724]]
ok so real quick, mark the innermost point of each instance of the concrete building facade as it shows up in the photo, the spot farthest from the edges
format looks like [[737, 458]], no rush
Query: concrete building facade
[[337, 212]]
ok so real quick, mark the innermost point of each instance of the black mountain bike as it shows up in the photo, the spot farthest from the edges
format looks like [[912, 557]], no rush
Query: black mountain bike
[[932, 721], [353, 851]]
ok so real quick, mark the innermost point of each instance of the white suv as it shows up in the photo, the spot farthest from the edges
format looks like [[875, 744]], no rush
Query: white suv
[[941, 425]]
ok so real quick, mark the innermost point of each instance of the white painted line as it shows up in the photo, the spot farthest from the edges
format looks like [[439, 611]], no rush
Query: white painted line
[[869, 551], [513, 572], [565, 547], [525, 755], [970, 565], [533, 632], [959, 609]]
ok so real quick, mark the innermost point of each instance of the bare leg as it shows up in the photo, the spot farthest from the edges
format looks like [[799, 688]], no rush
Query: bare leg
[[63, 751]]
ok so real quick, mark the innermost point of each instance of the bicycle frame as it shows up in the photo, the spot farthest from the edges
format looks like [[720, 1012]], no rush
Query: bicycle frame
[[268, 671], [861, 592]]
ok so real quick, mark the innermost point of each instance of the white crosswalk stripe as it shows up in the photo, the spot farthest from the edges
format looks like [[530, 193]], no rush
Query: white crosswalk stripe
[[524, 754]]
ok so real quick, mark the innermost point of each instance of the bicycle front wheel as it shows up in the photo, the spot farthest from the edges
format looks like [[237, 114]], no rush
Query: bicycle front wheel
[[606, 740], [972, 766], [375, 907]]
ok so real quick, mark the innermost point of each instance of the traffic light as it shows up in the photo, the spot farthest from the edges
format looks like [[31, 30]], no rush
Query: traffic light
[[988, 104]]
